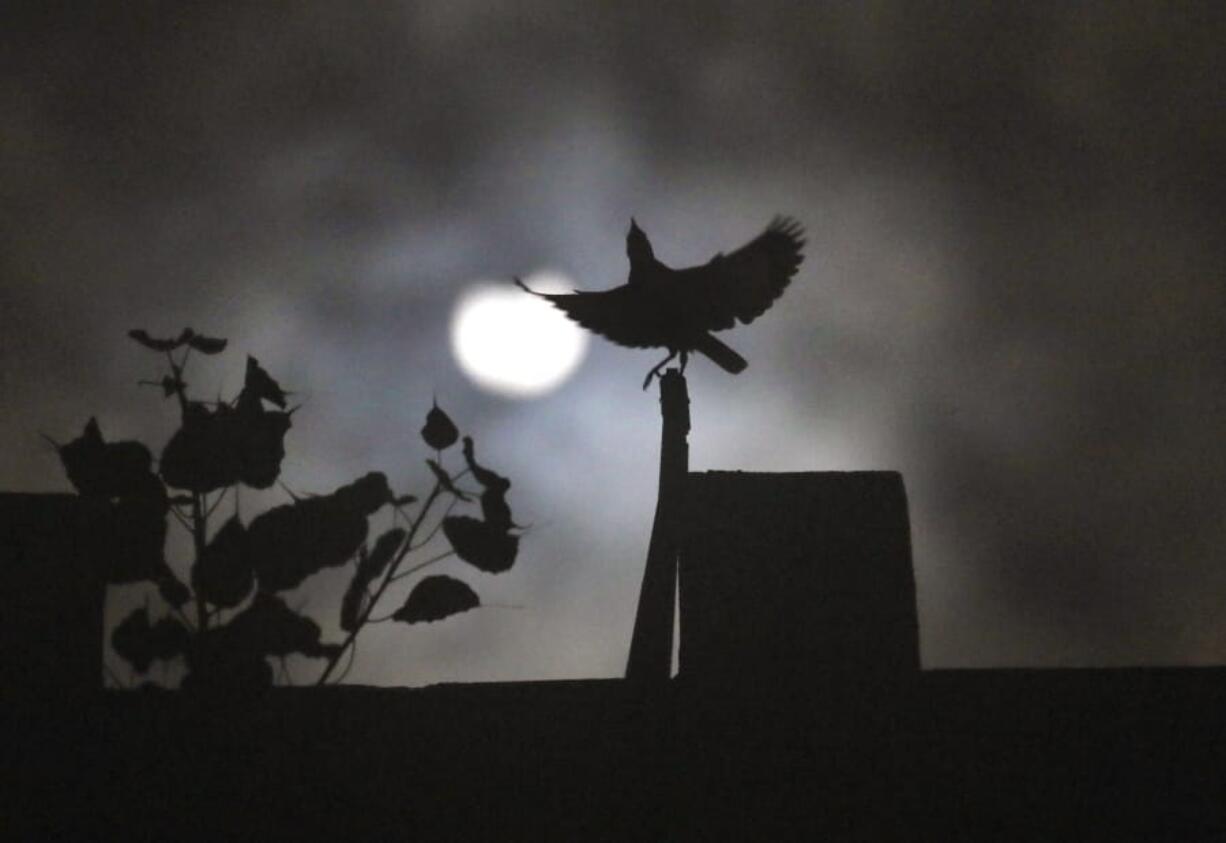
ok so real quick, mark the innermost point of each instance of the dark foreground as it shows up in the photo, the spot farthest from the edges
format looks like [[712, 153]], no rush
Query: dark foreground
[[986, 755]]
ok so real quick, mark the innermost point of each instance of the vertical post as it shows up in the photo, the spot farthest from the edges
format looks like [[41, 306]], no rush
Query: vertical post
[[651, 647]]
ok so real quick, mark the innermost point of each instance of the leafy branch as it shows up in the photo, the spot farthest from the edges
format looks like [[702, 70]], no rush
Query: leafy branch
[[237, 568]]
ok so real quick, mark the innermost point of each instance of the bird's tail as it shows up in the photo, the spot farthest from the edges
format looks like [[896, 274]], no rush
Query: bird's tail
[[721, 355]]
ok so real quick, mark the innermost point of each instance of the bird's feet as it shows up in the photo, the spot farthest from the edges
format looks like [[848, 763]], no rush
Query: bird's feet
[[655, 372]]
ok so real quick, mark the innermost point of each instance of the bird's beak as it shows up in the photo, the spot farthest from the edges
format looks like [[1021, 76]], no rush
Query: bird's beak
[[633, 225]]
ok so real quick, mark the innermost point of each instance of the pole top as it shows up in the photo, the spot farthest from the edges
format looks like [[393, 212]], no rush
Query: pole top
[[675, 399]]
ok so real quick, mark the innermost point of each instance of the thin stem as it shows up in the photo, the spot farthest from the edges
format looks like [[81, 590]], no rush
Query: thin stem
[[200, 526], [217, 502], [438, 526], [176, 371], [353, 657], [110, 674], [182, 519], [387, 579], [399, 514], [183, 618], [411, 571]]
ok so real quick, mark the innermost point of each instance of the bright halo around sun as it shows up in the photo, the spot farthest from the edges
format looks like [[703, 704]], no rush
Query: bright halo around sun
[[515, 344]]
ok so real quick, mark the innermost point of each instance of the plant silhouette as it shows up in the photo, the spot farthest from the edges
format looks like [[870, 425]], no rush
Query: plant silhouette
[[227, 620]]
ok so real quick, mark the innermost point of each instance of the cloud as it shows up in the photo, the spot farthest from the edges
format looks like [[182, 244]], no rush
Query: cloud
[[1012, 291]]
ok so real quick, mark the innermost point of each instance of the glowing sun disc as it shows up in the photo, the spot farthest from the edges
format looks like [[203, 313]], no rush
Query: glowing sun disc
[[512, 343]]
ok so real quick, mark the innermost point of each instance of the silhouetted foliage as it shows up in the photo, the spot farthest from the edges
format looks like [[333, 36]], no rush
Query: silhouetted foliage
[[142, 337], [487, 544], [444, 480], [108, 469], [440, 431], [201, 343], [270, 627], [225, 446], [435, 598], [139, 642], [481, 544], [170, 588], [223, 574], [230, 620], [289, 543], [494, 497]]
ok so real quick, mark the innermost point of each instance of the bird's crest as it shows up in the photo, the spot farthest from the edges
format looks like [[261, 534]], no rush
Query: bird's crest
[[638, 247]]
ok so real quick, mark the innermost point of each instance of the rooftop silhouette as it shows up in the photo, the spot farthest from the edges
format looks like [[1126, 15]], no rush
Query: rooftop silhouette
[[800, 708]]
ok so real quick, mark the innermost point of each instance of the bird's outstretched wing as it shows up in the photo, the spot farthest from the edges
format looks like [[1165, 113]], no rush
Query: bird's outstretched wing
[[743, 284], [617, 314]]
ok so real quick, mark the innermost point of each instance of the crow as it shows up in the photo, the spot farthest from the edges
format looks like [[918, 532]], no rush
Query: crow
[[677, 309]]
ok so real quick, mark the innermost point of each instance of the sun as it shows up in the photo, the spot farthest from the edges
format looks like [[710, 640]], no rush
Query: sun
[[514, 344]]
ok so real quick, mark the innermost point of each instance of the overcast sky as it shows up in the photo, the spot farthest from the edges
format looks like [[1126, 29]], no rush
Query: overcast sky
[[1013, 292]]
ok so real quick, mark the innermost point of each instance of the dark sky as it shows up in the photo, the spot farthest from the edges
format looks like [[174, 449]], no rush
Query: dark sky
[[1014, 291]]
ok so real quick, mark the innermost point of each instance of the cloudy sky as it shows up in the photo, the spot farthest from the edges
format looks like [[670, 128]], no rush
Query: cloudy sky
[[1013, 293]]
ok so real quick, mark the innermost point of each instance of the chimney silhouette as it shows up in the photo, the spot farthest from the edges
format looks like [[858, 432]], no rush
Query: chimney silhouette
[[797, 578]]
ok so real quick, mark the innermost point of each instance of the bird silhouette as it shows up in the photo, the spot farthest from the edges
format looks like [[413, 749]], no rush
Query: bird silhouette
[[677, 309]]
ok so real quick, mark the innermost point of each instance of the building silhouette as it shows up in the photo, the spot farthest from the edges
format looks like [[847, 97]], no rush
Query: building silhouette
[[800, 710]]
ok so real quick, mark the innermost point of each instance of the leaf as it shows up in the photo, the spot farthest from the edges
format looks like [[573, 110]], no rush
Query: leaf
[[444, 480], [207, 345], [204, 454], [291, 542], [258, 384], [366, 494], [373, 566], [370, 567], [439, 432], [261, 442], [269, 627], [481, 545], [171, 385], [435, 598], [494, 497], [142, 337], [404, 500], [140, 643], [218, 448], [108, 469], [131, 640], [353, 603], [172, 591], [223, 574], [169, 638]]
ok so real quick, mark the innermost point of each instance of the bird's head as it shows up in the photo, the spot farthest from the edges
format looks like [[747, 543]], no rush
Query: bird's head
[[638, 247]]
